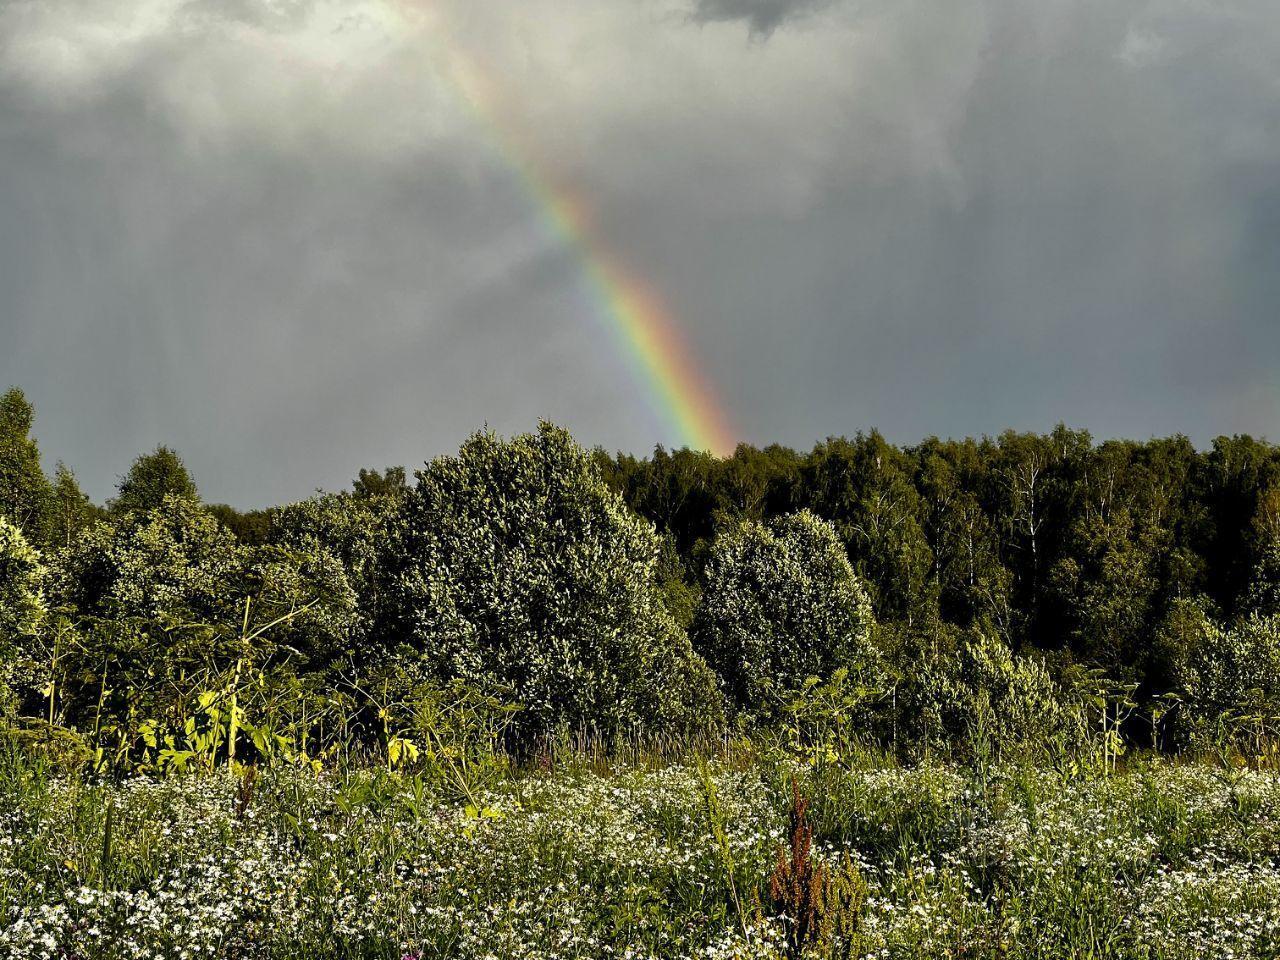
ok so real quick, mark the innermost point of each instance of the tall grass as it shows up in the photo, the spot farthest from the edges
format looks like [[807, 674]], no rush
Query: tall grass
[[582, 848]]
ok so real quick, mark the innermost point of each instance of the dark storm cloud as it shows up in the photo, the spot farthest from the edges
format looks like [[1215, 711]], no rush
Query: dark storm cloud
[[763, 16], [277, 236]]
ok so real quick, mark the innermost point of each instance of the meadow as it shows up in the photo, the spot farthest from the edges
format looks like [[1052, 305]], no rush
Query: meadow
[[580, 857], [1010, 699]]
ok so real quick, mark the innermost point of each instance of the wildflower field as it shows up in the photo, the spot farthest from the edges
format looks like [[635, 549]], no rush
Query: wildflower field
[[707, 859], [519, 709]]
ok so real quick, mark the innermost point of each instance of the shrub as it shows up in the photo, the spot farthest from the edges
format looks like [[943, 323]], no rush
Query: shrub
[[981, 694], [516, 566], [1233, 672], [165, 603], [305, 588], [1263, 594], [171, 565], [781, 604], [1184, 629]]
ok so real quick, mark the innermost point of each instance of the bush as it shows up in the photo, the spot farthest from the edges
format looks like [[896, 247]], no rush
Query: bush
[[166, 604], [781, 604], [982, 695], [1263, 594], [516, 566], [1234, 672]]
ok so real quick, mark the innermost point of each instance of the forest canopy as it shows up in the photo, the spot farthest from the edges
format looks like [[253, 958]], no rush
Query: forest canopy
[[995, 580]]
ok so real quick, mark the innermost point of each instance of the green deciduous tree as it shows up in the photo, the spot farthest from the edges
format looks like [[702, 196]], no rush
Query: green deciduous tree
[[1107, 586], [153, 478], [1231, 484], [515, 564], [354, 527], [781, 604], [979, 694], [72, 510], [251, 527], [865, 488], [1262, 595], [24, 489], [1234, 670]]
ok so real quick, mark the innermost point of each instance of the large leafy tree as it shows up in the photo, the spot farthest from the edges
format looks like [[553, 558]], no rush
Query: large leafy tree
[[24, 489], [71, 509], [353, 527], [864, 487], [1262, 595], [515, 564], [153, 478], [781, 604], [169, 565], [1107, 586], [1029, 489], [676, 491], [1231, 486], [968, 574]]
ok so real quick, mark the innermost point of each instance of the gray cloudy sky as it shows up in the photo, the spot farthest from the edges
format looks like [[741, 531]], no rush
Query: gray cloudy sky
[[271, 234]]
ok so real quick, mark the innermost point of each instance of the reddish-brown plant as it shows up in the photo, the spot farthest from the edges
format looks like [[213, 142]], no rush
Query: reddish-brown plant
[[798, 886]]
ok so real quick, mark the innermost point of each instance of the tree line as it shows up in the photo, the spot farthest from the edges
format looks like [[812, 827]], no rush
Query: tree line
[[1009, 584]]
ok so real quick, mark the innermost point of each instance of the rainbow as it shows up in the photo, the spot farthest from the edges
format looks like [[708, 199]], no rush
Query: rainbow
[[634, 314]]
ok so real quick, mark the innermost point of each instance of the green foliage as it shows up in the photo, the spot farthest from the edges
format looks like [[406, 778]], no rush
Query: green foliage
[[830, 721], [864, 487], [781, 604], [1233, 675], [1263, 593], [24, 490], [680, 596], [516, 566], [1151, 567], [166, 605], [21, 571], [968, 572], [355, 528], [1186, 629], [305, 588], [251, 527], [153, 479], [980, 696], [170, 565], [1107, 585], [22, 605], [72, 510], [389, 484]]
